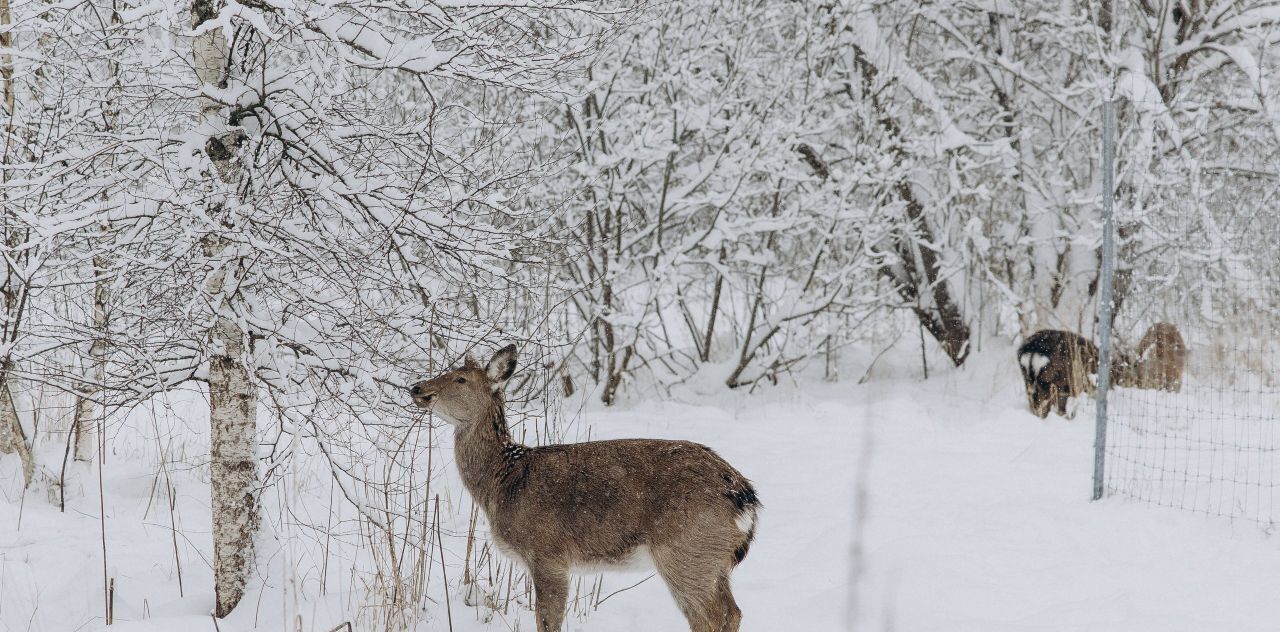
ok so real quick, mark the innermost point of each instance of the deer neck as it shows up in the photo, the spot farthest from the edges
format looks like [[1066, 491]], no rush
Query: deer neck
[[484, 453]]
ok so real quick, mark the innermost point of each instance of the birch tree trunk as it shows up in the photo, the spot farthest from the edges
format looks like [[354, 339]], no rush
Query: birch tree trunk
[[12, 438], [96, 374], [232, 395], [233, 468]]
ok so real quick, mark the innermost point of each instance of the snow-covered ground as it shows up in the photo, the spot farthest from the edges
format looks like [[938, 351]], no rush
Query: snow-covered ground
[[897, 504]]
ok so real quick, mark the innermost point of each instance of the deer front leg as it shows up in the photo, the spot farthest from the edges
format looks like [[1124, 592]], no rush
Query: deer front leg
[[551, 590]]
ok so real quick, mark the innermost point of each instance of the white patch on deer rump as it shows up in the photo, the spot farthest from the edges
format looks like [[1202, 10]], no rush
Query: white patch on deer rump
[[1032, 363], [1038, 363], [746, 520]]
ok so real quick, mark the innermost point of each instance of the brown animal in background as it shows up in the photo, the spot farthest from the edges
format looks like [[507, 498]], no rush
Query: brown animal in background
[[1056, 366], [1124, 368], [675, 504], [1161, 357]]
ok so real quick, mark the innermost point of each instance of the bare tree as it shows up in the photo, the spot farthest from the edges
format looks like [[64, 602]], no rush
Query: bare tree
[[233, 397]]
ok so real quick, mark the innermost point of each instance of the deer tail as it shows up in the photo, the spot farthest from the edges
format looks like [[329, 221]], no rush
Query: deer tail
[[747, 504]]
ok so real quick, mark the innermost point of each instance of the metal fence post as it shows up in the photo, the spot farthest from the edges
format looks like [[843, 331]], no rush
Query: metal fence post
[[1104, 293]]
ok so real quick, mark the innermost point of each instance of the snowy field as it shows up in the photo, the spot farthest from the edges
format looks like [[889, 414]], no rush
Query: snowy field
[[898, 504]]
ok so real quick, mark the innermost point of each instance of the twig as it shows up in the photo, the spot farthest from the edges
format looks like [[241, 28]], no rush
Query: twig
[[173, 530], [651, 575], [62, 473], [102, 522], [448, 608], [867, 374]]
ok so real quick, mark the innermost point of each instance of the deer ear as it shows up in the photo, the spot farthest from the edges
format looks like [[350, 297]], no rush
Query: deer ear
[[502, 366], [470, 362]]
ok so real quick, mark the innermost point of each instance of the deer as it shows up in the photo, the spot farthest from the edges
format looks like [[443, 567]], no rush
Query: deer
[[674, 505], [1056, 366], [1161, 357]]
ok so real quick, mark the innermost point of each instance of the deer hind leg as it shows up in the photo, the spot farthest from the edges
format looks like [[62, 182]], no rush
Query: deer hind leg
[[1057, 399], [1033, 399], [551, 592], [725, 616], [693, 578], [1042, 401]]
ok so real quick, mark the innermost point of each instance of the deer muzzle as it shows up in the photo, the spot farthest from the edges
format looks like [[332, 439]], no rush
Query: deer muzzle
[[422, 397]]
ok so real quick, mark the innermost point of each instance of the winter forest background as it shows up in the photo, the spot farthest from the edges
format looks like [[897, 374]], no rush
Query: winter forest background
[[235, 230]]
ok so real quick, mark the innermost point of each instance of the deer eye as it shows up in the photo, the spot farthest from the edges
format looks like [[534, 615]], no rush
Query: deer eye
[[461, 380]]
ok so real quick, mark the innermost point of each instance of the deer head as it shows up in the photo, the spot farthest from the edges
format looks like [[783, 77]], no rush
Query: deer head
[[464, 396]]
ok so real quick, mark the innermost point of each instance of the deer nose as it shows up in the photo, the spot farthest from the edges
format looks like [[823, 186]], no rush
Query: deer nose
[[416, 390]]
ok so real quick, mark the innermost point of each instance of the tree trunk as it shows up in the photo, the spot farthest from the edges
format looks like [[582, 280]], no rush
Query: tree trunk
[[918, 279], [12, 438], [232, 396], [96, 375], [925, 286], [233, 467]]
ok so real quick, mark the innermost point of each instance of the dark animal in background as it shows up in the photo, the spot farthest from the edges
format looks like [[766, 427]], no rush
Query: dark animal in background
[[1056, 366], [1160, 358]]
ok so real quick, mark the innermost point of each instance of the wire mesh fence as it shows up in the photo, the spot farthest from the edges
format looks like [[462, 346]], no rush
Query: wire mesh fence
[[1193, 420], [1211, 446]]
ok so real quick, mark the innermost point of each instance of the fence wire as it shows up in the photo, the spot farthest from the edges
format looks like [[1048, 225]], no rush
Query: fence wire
[[1212, 446]]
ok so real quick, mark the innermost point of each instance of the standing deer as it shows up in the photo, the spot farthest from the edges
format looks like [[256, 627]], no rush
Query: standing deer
[[1161, 356], [556, 508]]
